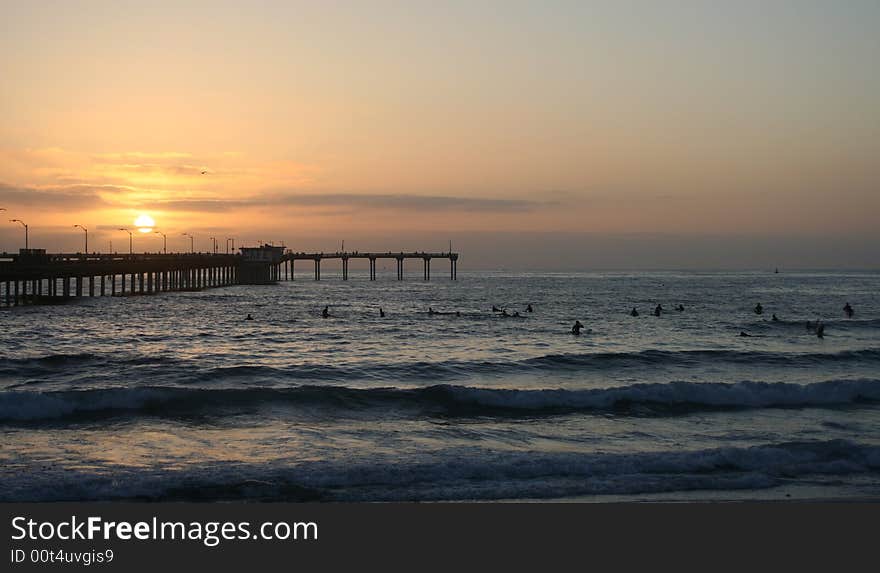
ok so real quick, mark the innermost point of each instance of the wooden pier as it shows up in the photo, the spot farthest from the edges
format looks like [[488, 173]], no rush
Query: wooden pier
[[290, 257], [35, 277]]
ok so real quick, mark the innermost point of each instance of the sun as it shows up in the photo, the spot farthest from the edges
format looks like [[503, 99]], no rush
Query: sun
[[144, 224]]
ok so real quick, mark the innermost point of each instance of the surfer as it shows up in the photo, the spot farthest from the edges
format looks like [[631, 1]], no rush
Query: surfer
[[680, 308], [249, 317], [431, 311], [744, 334], [775, 318], [658, 310], [848, 310], [495, 308], [634, 312], [326, 312], [381, 313], [576, 329], [820, 330], [529, 308], [759, 309]]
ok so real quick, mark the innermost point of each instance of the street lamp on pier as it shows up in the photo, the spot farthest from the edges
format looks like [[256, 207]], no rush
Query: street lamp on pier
[[87, 237], [164, 242], [192, 243], [25, 230], [130, 247]]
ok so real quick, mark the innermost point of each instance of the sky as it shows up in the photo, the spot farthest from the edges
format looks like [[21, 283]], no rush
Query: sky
[[533, 135]]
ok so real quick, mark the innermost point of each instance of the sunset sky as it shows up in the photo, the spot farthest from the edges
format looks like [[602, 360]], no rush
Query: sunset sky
[[564, 135]]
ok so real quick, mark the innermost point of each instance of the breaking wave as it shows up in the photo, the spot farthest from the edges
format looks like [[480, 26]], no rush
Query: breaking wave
[[673, 397], [466, 474]]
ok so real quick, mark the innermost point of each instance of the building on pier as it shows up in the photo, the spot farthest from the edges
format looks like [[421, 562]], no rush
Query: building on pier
[[260, 265]]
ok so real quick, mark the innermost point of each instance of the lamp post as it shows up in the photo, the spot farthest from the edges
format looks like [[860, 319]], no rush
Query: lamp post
[[23, 224], [214, 243], [192, 244], [164, 242], [233, 244], [130, 248], [87, 237]]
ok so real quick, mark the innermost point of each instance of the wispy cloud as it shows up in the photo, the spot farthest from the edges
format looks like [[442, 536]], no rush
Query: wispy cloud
[[57, 198], [396, 202], [137, 156]]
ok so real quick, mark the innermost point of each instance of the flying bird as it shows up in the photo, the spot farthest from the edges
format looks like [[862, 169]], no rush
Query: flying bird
[[204, 172]]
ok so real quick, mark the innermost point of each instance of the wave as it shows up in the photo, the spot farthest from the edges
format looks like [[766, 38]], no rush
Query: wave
[[800, 325], [462, 474], [183, 370], [63, 361], [540, 475], [850, 322], [690, 357], [449, 400]]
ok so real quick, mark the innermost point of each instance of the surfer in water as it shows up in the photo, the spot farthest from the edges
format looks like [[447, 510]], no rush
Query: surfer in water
[[848, 310], [326, 312], [775, 318], [820, 330], [249, 317], [634, 312], [759, 309], [529, 308], [658, 310], [495, 308], [381, 313], [576, 329], [745, 334], [680, 308]]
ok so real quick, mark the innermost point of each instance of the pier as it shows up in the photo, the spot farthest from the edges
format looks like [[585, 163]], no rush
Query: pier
[[289, 258], [33, 276]]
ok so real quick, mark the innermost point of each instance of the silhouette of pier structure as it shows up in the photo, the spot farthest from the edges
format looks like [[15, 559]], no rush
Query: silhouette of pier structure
[[372, 257], [33, 276]]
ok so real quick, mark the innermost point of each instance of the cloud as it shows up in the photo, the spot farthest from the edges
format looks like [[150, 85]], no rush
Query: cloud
[[155, 169], [199, 205], [397, 202], [56, 198], [136, 156]]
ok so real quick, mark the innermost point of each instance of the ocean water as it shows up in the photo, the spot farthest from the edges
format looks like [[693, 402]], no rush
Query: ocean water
[[177, 397]]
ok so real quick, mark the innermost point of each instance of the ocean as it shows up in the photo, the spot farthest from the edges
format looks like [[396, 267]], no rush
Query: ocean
[[177, 397]]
